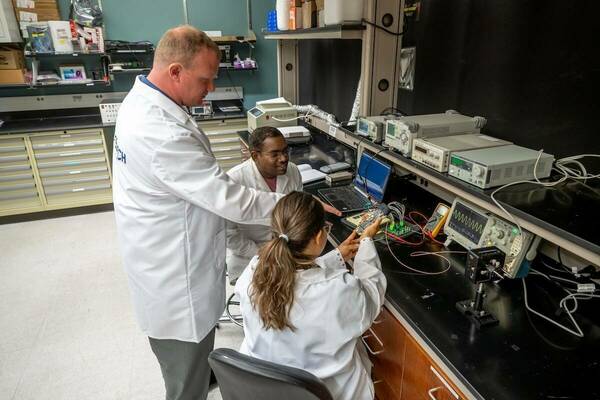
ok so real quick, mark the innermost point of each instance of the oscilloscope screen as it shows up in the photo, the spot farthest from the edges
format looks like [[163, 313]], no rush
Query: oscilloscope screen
[[467, 222]]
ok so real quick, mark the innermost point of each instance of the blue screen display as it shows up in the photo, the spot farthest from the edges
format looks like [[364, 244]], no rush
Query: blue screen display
[[372, 176]]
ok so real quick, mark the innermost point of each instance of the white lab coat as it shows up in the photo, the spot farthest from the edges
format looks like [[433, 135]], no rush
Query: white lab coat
[[332, 309], [171, 200], [243, 240]]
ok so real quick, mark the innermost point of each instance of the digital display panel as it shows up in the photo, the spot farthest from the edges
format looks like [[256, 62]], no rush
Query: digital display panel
[[363, 126], [256, 112], [467, 222], [457, 162], [421, 149], [391, 130]]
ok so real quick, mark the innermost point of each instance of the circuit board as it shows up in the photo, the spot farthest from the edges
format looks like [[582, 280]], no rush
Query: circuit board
[[399, 229]]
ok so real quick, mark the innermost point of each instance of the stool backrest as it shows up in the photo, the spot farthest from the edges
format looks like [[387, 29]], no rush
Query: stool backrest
[[242, 377]]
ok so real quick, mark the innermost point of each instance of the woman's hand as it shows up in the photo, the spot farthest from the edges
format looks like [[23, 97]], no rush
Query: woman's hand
[[349, 247], [372, 229]]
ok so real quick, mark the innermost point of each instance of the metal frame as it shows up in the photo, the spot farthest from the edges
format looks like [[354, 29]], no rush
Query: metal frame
[[378, 64]]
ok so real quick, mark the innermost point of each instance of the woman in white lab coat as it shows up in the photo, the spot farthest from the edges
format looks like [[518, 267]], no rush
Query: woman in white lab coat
[[302, 313]]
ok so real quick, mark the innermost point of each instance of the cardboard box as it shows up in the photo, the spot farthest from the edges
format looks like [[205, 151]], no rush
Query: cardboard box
[[38, 10], [12, 76], [320, 5], [295, 18], [309, 14], [11, 58]]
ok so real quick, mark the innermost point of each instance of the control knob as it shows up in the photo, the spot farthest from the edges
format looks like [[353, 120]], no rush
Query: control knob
[[478, 171]]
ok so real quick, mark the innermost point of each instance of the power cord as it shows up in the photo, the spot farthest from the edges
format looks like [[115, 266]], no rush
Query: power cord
[[561, 166], [573, 296], [383, 28]]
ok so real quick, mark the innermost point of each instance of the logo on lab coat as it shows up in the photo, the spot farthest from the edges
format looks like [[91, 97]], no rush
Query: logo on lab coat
[[120, 154]]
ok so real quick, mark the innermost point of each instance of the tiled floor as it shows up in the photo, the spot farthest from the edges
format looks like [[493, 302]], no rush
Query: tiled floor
[[67, 329]]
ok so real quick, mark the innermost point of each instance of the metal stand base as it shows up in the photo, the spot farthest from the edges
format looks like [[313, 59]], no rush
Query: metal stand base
[[479, 317]]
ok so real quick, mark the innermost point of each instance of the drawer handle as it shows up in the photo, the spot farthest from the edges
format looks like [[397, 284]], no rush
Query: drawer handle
[[431, 392], [381, 318], [441, 378], [373, 353]]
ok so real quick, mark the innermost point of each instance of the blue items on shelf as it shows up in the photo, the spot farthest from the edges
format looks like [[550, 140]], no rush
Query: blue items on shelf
[[272, 21]]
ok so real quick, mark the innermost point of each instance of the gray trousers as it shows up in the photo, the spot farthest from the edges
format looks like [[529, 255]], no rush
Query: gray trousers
[[184, 366]]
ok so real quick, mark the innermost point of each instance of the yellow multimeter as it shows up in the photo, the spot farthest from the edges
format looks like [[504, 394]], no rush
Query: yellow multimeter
[[437, 220]]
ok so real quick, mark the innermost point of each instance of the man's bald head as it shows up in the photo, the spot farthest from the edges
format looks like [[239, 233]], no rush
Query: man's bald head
[[181, 44]]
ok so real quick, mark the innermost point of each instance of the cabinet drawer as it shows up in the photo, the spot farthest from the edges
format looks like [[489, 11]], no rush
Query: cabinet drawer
[[225, 141], [228, 154], [13, 145], [423, 379], [15, 176], [227, 134], [71, 162], [79, 192], [16, 185], [228, 163], [76, 179], [22, 193], [87, 141], [14, 166], [65, 140], [226, 145], [386, 341], [233, 125], [71, 152], [25, 199], [68, 171]]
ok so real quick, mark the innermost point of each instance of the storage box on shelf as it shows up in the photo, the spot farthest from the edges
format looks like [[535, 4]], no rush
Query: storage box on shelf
[[46, 171]]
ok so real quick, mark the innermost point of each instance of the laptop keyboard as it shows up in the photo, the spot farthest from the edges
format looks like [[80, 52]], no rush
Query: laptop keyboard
[[345, 198]]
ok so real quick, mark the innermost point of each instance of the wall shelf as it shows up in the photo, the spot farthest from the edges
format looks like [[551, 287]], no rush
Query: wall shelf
[[237, 69], [50, 85], [232, 39], [328, 32], [32, 54]]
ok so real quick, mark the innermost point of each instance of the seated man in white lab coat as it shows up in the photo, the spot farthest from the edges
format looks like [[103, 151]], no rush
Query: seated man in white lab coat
[[268, 169]]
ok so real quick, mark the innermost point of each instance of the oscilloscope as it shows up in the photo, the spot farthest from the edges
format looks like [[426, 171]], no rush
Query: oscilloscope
[[474, 228]]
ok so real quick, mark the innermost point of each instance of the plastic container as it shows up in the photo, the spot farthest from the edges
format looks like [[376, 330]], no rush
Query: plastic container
[[283, 14], [272, 21], [343, 11]]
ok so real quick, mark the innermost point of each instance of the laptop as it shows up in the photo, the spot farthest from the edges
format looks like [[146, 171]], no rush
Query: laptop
[[370, 182]]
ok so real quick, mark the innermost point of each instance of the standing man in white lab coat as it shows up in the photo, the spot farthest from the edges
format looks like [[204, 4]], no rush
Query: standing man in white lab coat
[[171, 203]]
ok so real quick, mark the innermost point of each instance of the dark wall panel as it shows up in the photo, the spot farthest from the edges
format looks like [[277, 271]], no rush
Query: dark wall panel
[[329, 71], [532, 68]]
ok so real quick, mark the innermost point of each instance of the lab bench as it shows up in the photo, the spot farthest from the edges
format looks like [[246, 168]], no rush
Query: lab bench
[[422, 347]]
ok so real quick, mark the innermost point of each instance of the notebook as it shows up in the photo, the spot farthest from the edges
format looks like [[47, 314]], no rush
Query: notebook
[[309, 174]]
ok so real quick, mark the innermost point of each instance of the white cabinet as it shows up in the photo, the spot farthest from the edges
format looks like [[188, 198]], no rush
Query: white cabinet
[[53, 170], [9, 28], [224, 140]]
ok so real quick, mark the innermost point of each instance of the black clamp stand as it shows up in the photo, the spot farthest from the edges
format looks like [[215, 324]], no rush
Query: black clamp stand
[[481, 265]]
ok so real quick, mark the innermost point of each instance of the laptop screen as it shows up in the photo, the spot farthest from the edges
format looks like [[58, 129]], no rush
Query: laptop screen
[[372, 176]]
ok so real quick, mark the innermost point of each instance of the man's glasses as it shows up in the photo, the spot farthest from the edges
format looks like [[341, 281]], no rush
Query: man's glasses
[[277, 154]]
